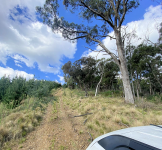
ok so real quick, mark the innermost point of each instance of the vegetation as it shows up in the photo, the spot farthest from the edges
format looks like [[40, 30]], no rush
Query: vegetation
[[108, 14], [12, 92], [135, 75], [144, 65], [22, 104], [109, 112], [86, 72]]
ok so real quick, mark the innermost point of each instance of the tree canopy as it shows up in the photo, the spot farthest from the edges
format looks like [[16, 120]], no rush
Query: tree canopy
[[86, 72], [109, 13]]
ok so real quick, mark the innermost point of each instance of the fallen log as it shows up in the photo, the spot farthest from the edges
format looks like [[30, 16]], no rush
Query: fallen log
[[83, 115], [90, 137]]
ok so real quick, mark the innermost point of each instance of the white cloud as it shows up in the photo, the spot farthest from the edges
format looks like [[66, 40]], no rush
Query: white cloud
[[61, 79], [3, 53], [147, 27], [13, 73], [56, 81], [17, 64], [95, 55], [28, 41]]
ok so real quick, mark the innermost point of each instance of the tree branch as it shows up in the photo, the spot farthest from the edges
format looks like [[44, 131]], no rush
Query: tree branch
[[94, 50], [99, 14], [122, 18], [79, 37], [106, 50], [147, 39], [83, 115], [115, 10]]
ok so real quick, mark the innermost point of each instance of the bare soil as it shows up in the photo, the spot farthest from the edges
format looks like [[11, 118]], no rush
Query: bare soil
[[58, 131]]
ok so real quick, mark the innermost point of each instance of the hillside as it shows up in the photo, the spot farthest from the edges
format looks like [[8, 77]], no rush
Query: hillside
[[107, 113], [73, 120]]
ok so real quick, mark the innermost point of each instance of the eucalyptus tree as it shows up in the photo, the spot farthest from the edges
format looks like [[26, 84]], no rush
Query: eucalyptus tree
[[146, 62], [72, 73], [88, 65], [111, 71], [109, 14], [160, 34], [129, 52], [100, 71], [81, 72]]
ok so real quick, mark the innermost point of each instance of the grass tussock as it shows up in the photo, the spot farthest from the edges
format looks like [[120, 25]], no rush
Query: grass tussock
[[17, 123], [111, 113]]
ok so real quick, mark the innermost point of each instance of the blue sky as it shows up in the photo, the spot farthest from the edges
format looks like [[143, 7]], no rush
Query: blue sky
[[30, 49]]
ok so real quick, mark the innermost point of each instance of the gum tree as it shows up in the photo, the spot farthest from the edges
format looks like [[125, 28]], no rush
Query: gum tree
[[108, 14]]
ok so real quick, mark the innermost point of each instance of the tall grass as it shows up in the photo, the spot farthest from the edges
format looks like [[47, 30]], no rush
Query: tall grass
[[16, 123], [110, 112]]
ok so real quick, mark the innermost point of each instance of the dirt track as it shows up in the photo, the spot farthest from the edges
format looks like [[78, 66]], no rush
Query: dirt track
[[58, 133]]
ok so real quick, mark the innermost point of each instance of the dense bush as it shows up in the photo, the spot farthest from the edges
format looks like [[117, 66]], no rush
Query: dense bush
[[15, 90], [154, 98]]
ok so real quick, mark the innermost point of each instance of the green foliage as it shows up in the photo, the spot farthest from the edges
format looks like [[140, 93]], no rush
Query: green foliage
[[144, 64], [117, 93], [12, 92], [154, 98], [86, 72], [101, 10], [80, 73], [160, 34], [64, 86], [108, 93]]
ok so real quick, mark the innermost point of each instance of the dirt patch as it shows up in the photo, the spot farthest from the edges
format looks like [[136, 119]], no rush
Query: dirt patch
[[72, 134], [58, 131]]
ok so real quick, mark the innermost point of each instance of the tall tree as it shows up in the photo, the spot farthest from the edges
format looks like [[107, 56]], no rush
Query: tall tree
[[81, 72], [160, 34], [145, 63], [100, 72], [111, 13]]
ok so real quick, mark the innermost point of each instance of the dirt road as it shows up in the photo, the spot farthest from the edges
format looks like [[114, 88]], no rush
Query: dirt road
[[58, 130]]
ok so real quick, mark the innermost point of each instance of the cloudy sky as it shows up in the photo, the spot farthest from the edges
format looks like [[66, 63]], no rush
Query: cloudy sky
[[30, 49]]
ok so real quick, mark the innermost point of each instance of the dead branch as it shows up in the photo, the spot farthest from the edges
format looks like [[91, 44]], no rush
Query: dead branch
[[90, 136], [83, 115], [85, 121], [120, 123], [102, 50]]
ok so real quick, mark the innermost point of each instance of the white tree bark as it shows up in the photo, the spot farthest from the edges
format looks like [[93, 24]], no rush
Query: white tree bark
[[123, 68], [121, 63], [132, 86], [98, 84]]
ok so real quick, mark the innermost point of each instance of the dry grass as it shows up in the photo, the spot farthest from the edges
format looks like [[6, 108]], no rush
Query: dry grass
[[111, 114], [20, 121], [17, 125]]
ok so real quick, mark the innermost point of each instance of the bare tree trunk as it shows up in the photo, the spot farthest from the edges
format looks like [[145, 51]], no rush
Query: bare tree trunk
[[98, 84], [86, 90], [123, 68], [137, 90], [137, 87], [132, 86], [150, 88], [140, 84]]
